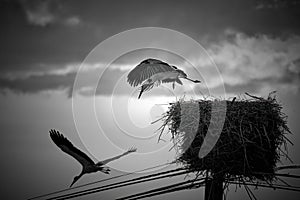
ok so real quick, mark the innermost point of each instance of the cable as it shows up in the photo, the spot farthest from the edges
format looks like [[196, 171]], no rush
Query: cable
[[150, 177], [169, 188], [103, 180], [198, 183], [287, 167], [282, 187], [176, 189]]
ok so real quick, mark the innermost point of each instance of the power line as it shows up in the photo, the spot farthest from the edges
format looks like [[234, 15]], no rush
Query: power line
[[176, 189], [151, 177], [190, 184], [99, 181], [273, 186], [142, 179], [166, 189]]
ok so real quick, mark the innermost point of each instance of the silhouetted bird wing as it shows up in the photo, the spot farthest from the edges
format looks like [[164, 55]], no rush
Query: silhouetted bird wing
[[104, 162], [66, 146], [146, 69]]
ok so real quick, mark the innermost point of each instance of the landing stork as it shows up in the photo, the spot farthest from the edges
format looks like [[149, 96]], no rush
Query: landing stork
[[88, 165], [151, 72]]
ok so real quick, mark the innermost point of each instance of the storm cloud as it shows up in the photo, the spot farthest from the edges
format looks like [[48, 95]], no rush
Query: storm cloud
[[256, 51]]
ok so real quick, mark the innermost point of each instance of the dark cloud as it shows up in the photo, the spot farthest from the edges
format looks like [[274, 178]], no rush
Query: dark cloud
[[30, 47], [89, 80], [46, 12], [41, 12], [249, 62], [253, 64], [264, 86], [35, 84], [42, 36], [24, 45]]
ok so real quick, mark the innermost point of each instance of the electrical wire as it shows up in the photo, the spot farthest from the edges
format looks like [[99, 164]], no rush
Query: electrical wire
[[142, 179], [99, 181]]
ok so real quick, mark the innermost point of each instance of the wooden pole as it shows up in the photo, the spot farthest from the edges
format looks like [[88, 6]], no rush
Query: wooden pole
[[214, 188]]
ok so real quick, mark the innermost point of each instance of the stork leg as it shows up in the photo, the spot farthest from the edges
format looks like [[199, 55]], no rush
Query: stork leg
[[195, 81], [105, 170], [173, 85]]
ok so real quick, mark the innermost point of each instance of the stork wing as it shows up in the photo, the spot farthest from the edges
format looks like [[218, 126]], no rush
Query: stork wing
[[146, 69], [104, 162], [66, 146]]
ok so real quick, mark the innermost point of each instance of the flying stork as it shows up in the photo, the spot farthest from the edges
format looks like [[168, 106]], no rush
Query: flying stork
[[88, 165], [152, 72]]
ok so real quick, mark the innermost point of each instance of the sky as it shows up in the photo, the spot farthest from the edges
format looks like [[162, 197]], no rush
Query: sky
[[63, 65]]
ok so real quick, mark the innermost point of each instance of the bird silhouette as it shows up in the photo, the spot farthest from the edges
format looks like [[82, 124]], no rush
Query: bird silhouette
[[88, 165], [152, 72]]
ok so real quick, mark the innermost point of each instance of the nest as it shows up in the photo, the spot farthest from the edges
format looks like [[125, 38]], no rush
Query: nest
[[251, 139]]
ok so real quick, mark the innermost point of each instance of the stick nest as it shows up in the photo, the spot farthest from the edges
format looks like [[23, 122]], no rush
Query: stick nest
[[250, 143]]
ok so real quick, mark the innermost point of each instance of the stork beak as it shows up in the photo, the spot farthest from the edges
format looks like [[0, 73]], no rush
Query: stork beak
[[75, 179]]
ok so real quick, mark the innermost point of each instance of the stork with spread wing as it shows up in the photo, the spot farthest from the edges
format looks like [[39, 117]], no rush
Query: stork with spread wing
[[152, 72], [88, 165]]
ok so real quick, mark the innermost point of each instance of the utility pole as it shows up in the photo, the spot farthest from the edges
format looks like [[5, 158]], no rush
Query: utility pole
[[214, 187]]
